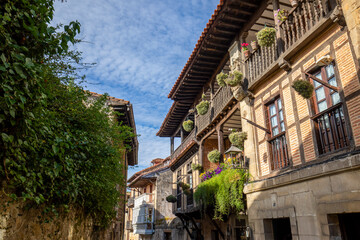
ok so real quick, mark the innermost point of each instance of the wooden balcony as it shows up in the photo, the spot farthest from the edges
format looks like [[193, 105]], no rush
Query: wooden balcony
[[304, 23], [184, 144], [220, 100]]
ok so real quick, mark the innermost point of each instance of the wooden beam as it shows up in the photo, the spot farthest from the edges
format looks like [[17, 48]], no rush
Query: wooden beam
[[216, 44], [238, 11], [229, 25], [213, 49], [216, 58], [267, 18], [218, 37], [223, 31], [254, 18], [233, 18], [336, 89]]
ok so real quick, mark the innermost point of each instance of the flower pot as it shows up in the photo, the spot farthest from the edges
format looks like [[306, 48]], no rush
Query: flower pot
[[293, 3], [247, 53], [254, 45]]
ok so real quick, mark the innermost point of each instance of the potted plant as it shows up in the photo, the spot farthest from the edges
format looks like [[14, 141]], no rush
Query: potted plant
[[203, 107], [293, 3], [254, 45], [304, 88], [220, 78], [238, 139], [266, 37], [235, 78], [184, 186], [214, 156], [246, 51], [281, 15], [188, 125], [197, 167], [171, 199], [187, 192]]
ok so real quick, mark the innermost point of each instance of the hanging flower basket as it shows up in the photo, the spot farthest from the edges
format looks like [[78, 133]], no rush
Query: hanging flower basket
[[203, 107], [184, 186], [247, 54], [187, 192], [304, 88], [220, 78], [171, 199], [197, 167], [238, 139], [188, 125], [254, 45], [214, 156], [266, 36], [235, 78]]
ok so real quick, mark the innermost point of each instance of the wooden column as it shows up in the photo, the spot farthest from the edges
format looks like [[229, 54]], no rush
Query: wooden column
[[201, 152], [171, 145], [220, 139], [279, 41], [243, 66], [182, 134]]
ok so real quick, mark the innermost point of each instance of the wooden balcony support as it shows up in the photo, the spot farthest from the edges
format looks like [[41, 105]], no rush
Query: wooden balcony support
[[220, 134]]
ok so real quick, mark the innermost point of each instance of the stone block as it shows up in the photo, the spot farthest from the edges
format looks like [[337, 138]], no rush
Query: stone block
[[308, 226], [345, 182], [320, 186]]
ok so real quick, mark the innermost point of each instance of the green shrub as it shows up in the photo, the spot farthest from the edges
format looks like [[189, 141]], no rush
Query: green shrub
[[203, 107], [304, 88], [214, 156], [171, 199], [197, 167], [220, 78], [223, 193], [266, 37], [238, 139], [235, 78], [188, 125]]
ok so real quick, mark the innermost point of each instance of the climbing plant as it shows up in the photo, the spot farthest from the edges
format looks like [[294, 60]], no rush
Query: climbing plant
[[56, 148]]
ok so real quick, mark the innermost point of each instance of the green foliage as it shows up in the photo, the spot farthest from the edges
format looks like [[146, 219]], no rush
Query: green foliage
[[187, 192], [220, 78], [235, 78], [171, 199], [197, 167], [238, 139], [223, 193], [203, 107], [188, 125], [214, 156], [184, 186], [55, 151], [304, 88], [266, 37]]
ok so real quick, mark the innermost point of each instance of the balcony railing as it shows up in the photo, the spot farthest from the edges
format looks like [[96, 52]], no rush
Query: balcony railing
[[145, 198], [221, 98], [186, 141], [279, 152], [130, 202], [129, 225], [143, 223], [331, 130], [299, 29]]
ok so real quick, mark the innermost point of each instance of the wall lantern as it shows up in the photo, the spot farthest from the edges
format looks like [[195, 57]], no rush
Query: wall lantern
[[231, 156]]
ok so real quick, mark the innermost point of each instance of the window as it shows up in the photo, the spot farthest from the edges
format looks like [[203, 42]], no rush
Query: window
[[178, 191], [329, 116], [278, 145], [189, 197]]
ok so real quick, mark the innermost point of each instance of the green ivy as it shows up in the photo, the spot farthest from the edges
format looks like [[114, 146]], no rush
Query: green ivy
[[214, 156], [55, 151], [188, 125], [223, 193], [220, 78]]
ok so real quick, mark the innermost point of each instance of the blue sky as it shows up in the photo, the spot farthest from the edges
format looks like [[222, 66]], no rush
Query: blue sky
[[140, 47]]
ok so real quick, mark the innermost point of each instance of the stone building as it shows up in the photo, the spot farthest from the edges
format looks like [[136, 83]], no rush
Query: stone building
[[303, 154], [149, 215]]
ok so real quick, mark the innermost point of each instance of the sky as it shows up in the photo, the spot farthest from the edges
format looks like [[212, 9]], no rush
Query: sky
[[140, 48]]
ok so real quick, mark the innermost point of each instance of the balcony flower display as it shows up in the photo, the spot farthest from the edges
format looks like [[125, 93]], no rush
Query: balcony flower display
[[171, 199], [223, 192], [220, 78], [188, 125], [281, 15], [304, 88], [238, 139], [214, 156], [254, 45], [209, 174], [266, 36], [203, 107], [245, 48], [234, 79], [197, 167]]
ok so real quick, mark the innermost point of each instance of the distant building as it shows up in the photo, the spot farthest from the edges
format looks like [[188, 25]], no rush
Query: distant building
[[303, 154]]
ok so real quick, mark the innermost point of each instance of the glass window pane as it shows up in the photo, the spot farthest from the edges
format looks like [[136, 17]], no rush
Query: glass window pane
[[279, 104], [272, 110], [316, 84], [332, 82], [275, 131], [320, 93], [322, 106], [274, 121], [335, 98], [330, 71], [281, 116], [282, 126]]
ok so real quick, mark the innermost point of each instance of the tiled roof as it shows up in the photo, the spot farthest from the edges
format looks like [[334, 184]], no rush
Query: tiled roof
[[197, 46], [113, 100]]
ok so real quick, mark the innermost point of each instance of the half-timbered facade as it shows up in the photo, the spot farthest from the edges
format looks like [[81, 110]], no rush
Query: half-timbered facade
[[303, 154]]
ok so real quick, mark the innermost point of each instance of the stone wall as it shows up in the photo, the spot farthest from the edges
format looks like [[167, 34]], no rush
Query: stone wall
[[16, 223]]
